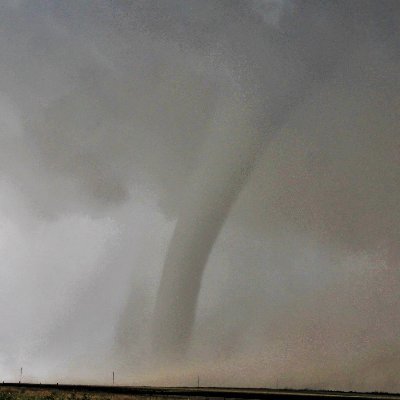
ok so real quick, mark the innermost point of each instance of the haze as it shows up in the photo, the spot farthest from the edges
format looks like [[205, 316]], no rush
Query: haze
[[200, 189]]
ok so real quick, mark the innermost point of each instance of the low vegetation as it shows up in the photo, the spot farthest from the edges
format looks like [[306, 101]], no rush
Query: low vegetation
[[43, 395]]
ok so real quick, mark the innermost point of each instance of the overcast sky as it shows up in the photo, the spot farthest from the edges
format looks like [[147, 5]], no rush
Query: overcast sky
[[113, 113]]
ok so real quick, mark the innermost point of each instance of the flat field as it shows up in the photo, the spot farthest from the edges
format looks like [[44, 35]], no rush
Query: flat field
[[26, 391], [55, 394]]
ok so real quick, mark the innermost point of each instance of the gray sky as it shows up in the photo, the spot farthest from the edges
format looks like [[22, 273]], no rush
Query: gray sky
[[111, 111]]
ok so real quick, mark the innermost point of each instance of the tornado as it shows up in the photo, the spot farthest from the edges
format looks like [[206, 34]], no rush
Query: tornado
[[228, 159], [244, 122], [239, 133]]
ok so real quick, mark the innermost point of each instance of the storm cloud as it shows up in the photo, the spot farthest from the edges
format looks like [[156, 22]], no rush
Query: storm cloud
[[250, 148]]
